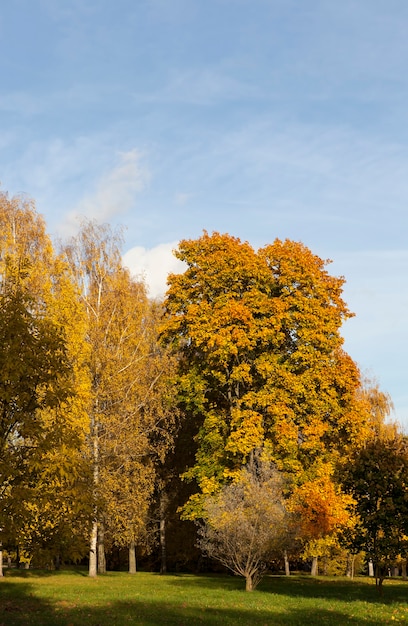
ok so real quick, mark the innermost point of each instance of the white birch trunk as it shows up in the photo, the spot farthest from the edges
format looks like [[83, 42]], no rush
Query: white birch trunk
[[287, 564], [93, 550], [132, 558], [101, 549]]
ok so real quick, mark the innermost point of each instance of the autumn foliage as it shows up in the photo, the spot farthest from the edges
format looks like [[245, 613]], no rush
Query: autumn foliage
[[119, 414], [259, 339], [246, 523]]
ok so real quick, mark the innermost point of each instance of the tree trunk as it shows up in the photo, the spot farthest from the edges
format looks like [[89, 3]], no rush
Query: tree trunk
[[404, 570], [93, 555], [348, 566], [379, 579], [287, 564], [132, 558], [92, 551], [249, 583], [163, 546], [1, 560], [101, 549], [370, 568], [352, 565], [163, 556], [315, 566]]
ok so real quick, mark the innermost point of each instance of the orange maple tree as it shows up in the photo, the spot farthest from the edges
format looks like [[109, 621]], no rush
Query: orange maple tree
[[261, 352]]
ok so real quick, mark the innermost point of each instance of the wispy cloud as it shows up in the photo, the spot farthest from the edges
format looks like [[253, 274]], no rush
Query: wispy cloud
[[22, 102], [182, 198], [114, 192], [207, 85]]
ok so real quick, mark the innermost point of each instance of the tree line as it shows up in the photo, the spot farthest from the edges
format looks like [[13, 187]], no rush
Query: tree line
[[224, 422]]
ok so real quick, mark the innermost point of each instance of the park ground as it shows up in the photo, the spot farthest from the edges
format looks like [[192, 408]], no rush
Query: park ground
[[71, 598]]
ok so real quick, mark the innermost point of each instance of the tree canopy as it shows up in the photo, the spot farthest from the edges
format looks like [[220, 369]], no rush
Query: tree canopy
[[377, 478], [232, 402], [258, 333]]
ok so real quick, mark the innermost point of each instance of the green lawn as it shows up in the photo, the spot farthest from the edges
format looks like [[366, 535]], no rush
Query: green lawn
[[70, 598]]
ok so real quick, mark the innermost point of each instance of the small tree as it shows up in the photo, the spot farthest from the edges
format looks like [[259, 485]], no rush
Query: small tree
[[245, 523], [377, 479], [322, 510]]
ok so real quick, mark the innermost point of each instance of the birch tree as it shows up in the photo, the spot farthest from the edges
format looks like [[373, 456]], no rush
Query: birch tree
[[124, 415]]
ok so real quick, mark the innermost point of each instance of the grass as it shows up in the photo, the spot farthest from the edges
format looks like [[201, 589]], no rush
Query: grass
[[71, 598]]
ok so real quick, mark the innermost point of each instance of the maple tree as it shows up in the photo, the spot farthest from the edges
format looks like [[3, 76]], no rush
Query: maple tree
[[322, 511], [262, 363]]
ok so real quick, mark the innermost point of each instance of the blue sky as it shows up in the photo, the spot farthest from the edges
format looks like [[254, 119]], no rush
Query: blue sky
[[261, 118]]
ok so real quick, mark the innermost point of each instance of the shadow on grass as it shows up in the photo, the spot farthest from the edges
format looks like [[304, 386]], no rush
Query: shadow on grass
[[133, 613], [43, 573], [345, 590], [18, 607], [336, 589]]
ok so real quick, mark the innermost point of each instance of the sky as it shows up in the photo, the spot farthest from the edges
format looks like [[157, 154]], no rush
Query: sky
[[263, 119]]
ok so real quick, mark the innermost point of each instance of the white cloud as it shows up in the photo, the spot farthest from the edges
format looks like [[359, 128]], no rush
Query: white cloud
[[75, 178], [154, 264], [115, 192]]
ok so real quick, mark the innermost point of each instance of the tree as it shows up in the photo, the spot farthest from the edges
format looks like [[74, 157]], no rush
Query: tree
[[40, 387], [380, 408], [129, 415], [377, 478], [134, 455], [322, 511], [245, 522], [261, 358], [32, 358]]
